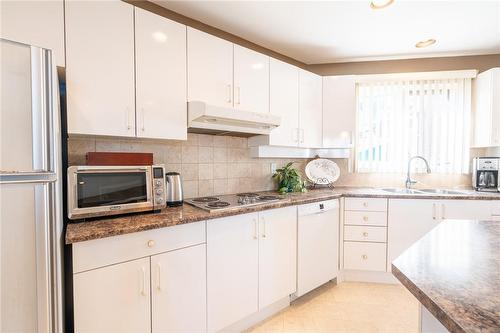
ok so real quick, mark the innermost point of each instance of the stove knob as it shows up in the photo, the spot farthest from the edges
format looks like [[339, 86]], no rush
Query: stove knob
[[159, 191], [159, 201], [157, 183]]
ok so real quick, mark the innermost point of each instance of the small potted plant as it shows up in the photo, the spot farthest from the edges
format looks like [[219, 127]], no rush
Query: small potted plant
[[289, 180]]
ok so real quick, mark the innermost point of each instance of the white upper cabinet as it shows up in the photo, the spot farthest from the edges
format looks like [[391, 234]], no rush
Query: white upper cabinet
[[210, 69], [277, 254], [310, 110], [487, 109], [100, 67], [339, 111], [39, 23], [160, 51], [251, 80], [284, 102]]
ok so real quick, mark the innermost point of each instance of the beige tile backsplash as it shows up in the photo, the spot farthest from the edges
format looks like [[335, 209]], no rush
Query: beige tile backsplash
[[211, 164]]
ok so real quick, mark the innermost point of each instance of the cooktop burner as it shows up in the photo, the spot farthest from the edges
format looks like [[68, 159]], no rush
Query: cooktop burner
[[218, 204], [206, 199], [233, 201], [267, 197], [247, 195]]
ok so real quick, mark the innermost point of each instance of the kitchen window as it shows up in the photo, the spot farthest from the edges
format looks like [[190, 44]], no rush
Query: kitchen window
[[397, 119]]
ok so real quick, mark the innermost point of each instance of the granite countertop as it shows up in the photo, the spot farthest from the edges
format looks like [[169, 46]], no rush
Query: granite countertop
[[454, 271], [112, 226]]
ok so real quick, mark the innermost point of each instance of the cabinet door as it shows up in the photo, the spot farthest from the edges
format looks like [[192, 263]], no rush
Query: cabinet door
[[339, 111], [160, 59], [284, 102], [465, 209], [179, 290], [115, 298], [232, 269], [277, 254], [408, 221], [210, 69], [251, 80], [100, 67], [310, 110], [483, 112], [495, 106], [39, 23]]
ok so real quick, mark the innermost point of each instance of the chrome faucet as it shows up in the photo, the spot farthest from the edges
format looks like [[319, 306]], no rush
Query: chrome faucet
[[409, 181]]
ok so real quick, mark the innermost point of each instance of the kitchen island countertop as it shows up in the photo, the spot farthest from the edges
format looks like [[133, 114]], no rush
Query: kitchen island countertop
[[454, 272]]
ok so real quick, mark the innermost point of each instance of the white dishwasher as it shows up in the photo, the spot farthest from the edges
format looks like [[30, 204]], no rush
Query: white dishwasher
[[317, 244]]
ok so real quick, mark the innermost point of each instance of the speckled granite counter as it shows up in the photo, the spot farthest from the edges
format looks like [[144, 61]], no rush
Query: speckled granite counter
[[112, 226], [454, 271]]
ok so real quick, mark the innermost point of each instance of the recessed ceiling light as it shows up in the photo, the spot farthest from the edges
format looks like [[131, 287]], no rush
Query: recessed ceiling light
[[425, 43], [379, 4]]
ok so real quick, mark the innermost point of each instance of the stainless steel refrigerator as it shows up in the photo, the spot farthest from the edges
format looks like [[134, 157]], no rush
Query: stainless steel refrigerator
[[30, 191]]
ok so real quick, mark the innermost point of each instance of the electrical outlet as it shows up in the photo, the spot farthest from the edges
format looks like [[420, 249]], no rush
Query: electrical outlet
[[273, 168]]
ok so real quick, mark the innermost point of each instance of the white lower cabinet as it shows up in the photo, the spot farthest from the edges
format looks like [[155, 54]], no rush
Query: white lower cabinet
[[365, 256], [178, 288], [249, 257], [277, 254], [232, 269], [410, 219], [115, 298]]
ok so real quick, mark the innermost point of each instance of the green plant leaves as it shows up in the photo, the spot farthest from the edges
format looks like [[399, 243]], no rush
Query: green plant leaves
[[289, 179]]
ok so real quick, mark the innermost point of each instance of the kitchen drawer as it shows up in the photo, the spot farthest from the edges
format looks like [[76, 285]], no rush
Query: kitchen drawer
[[111, 250], [365, 256], [365, 234], [366, 204], [365, 218]]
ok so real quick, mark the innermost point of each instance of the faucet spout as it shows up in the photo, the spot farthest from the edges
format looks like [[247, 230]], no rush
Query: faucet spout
[[409, 182]]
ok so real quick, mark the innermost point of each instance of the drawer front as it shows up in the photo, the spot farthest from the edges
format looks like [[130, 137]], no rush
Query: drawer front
[[111, 250], [366, 204], [365, 218], [365, 234], [365, 256]]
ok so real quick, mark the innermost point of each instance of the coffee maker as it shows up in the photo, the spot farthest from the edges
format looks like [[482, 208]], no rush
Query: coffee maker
[[485, 174]]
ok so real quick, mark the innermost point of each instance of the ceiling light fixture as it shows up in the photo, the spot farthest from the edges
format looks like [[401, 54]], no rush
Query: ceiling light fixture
[[425, 43], [379, 4]]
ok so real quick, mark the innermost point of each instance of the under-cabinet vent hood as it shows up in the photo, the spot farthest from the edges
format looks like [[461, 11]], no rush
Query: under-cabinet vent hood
[[206, 118]]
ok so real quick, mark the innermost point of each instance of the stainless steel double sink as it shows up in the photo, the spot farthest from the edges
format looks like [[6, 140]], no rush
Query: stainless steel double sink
[[422, 191]]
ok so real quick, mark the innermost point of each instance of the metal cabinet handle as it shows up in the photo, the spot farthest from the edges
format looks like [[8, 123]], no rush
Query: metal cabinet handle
[[365, 218], [263, 228], [256, 227], [142, 120], [365, 234], [158, 286], [442, 211], [151, 243], [364, 257], [127, 110], [238, 95], [229, 92], [433, 211], [301, 135], [143, 282], [365, 204]]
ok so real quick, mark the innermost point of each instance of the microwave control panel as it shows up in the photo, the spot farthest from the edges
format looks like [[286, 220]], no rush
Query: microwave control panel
[[159, 186]]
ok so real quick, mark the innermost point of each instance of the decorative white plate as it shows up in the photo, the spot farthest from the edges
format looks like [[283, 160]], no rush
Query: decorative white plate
[[322, 171]]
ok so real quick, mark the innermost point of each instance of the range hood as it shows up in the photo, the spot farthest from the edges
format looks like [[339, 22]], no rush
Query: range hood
[[204, 118]]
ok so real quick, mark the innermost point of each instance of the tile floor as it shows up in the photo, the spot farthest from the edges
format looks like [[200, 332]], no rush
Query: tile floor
[[348, 307]]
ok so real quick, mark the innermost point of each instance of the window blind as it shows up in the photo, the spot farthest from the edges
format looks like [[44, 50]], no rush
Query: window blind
[[400, 119]]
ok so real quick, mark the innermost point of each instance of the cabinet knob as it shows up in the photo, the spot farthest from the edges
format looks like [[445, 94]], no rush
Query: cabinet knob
[[364, 256], [365, 218], [151, 243], [365, 234], [365, 204]]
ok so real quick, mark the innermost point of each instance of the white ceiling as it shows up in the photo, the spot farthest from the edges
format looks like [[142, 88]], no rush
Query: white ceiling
[[337, 31]]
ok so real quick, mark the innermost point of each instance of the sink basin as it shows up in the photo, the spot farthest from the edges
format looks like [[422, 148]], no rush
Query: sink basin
[[440, 191], [401, 190]]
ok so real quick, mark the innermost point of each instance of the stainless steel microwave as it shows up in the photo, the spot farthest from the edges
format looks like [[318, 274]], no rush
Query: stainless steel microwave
[[110, 190]]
